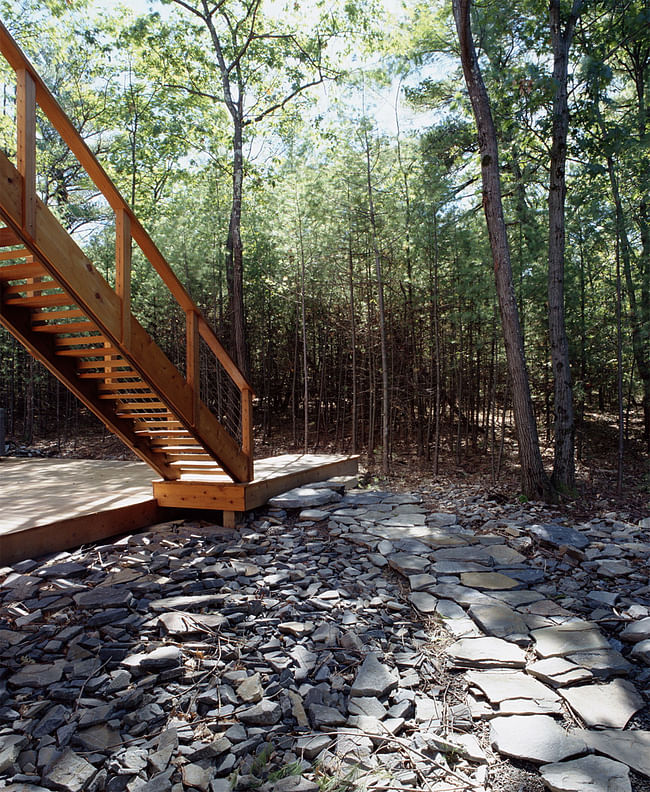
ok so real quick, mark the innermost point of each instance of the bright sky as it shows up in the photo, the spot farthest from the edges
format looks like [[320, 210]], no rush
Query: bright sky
[[380, 102]]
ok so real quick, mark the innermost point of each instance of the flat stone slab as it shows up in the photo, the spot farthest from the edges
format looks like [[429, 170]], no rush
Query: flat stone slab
[[498, 620], [604, 663], [588, 774], [489, 581], [424, 602], [558, 671], [525, 706], [504, 555], [558, 535], [486, 652], [611, 705], [517, 598], [463, 595], [537, 738], [630, 747], [407, 564], [183, 623], [447, 609], [422, 582], [305, 498], [569, 638], [405, 520], [501, 685]]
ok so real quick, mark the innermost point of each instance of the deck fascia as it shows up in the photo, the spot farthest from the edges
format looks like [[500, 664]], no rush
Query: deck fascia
[[234, 497]]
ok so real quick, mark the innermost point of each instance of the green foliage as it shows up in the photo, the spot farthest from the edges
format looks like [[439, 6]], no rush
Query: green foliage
[[145, 92]]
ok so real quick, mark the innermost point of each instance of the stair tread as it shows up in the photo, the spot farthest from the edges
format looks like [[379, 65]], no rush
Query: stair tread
[[42, 301], [20, 271], [9, 255], [10, 292], [97, 352], [48, 316], [70, 341], [70, 327]]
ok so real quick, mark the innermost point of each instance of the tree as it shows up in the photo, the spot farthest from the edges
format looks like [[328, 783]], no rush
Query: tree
[[563, 477], [535, 483], [261, 68]]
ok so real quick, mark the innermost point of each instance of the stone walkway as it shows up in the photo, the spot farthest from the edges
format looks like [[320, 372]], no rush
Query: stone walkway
[[338, 641]]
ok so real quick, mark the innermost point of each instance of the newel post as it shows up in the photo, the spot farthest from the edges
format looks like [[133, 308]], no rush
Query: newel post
[[193, 360], [26, 145], [123, 271], [247, 428]]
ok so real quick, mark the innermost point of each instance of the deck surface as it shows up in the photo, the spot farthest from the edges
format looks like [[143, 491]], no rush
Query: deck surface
[[48, 505], [37, 492]]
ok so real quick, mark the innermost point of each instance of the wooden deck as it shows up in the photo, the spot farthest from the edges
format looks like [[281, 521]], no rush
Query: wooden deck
[[49, 505], [272, 476]]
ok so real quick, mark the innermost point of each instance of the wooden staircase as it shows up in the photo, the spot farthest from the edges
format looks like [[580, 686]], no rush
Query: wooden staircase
[[59, 306]]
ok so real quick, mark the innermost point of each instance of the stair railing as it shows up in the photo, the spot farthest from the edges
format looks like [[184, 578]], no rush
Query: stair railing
[[31, 92]]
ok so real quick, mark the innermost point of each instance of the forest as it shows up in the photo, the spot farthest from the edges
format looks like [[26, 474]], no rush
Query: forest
[[421, 229]]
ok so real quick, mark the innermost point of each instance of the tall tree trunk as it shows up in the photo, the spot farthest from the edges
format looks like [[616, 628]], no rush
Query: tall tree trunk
[[385, 401], [234, 257], [535, 483], [563, 478], [303, 324], [353, 340], [619, 374]]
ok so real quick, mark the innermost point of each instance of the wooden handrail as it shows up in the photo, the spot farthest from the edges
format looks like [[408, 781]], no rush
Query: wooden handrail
[[54, 112], [32, 91]]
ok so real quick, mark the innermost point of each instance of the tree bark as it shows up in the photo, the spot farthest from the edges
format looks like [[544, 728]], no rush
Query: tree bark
[[385, 401], [234, 257], [563, 477], [535, 483]]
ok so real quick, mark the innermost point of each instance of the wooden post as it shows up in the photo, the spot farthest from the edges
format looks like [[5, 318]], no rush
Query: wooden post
[[247, 428], [123, 270], [193, 361], [26, 144]]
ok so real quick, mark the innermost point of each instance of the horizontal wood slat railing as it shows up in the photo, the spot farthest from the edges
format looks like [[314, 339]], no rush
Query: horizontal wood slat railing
[[23, 208]]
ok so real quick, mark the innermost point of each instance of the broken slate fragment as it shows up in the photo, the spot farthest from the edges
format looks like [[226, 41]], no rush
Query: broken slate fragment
[[489, 581], [156, 660], [373, 678], [558, 535], [568, 638], [588, 774], [37, 675], [424, 602], [636, 631], [631, 747], [537, 738], [407, 564], [603, 663], [305, 498], [486, 652], [501, 685], [266, 713], [250, 690], [69, 772], [611, 705], [500, 621], [104, 597], [558, 671]]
